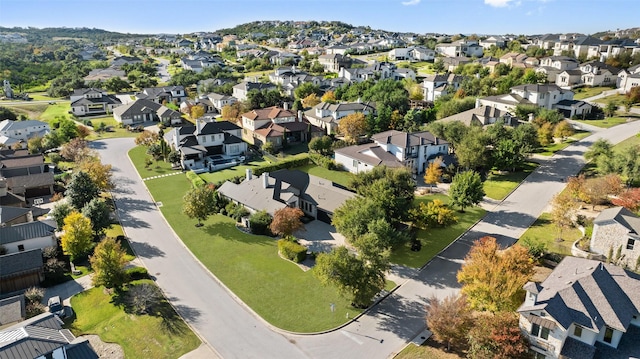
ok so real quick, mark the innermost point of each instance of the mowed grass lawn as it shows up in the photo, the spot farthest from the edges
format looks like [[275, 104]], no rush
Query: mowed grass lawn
[[278, 290], [545, 231], [141, 336], [138, 155], [425, 351], [498, 186], [340, 177], [608, 122], [435, 240]]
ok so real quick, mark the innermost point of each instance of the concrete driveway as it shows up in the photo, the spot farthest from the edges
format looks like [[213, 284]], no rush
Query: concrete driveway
[[320, 237]]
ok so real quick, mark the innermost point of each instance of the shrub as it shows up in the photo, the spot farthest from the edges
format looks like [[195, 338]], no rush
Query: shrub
[[34, 295], [33, 309], [259, 223], [323, 161], [55, 158], [290, 163], [136, 273], [143, 297], [54, 271], [292, 250], [196, 181]]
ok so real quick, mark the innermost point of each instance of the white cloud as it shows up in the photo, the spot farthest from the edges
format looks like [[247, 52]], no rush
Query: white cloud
[[411, 2], [497, 3]]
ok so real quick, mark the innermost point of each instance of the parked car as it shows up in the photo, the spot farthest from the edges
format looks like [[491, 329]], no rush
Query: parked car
[[56, 307]]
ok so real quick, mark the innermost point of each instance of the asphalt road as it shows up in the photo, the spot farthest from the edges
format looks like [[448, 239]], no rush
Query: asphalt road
[[236, 333]]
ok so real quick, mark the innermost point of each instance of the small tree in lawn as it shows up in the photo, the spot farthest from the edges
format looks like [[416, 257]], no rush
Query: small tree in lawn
[[199, 203], [108, 262], [81, 190], [77, 238], [433, 173], [563, 208], [146, 138], [286, 221], [449, 319], [99, 214], [466, 189], [611, 108], [497, 336]]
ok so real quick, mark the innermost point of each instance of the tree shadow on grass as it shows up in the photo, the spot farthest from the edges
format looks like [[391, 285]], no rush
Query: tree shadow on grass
[[229, 231]]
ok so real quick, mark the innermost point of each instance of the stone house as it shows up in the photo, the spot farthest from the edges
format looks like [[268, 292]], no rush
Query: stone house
[[617, 229]]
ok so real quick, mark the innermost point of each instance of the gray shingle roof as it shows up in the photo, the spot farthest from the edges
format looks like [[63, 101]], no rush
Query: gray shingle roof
[[575, 349], [21, 262], [620, 215], [10, 213], [25, 231]]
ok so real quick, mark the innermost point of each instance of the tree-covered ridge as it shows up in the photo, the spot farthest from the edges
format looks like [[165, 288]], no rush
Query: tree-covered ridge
[[40, 35], [285, 28]]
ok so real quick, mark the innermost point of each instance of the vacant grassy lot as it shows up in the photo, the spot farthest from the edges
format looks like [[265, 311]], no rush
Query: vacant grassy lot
[[498, 186], [545, 231], [278, 290], [436, 239], [340, 177], [162, 334], [31, 110], [609, 121], [58, 109], [617, 98], [586, 92]]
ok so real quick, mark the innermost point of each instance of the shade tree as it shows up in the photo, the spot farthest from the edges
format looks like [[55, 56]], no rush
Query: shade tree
[[466, 189]]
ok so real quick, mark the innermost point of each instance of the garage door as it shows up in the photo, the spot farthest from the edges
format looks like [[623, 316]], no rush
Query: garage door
[[324, 216]]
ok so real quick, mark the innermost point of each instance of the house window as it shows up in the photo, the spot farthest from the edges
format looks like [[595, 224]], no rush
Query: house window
[[538, 331], [355, 163], [21, 247], [577, 331], [630, 243], [213, 138], [608, 335]]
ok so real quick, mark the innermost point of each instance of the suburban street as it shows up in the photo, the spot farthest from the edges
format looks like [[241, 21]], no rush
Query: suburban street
[[236, 332]]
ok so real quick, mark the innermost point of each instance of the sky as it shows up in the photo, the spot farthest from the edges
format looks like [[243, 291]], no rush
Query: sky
[[420, 16]]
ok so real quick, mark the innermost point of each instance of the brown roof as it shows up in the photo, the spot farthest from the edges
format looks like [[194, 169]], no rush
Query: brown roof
[[268, 113], [22, 161]]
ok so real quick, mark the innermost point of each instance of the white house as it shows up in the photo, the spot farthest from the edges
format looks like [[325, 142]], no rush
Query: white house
[[547, 96], [219, 100], [27, 236], [175, 94], [92, 101], [241, 90], [497, 41], [327, 115], [583, 306], [596, 73], [393, 149], [434, 86], [628, 78], [16, 131], [468, 48], [412, 54]]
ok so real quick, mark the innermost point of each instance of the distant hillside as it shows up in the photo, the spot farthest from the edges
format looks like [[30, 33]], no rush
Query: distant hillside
[[284, 28], [36, 35], [632, 33]]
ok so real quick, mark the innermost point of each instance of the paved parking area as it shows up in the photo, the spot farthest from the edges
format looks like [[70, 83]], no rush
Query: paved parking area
[[320, 237]]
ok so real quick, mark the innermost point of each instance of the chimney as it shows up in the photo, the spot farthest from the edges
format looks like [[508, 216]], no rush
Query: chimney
[[249, 174], [198, 125], [300, 115], [265, 179], [285, 105]]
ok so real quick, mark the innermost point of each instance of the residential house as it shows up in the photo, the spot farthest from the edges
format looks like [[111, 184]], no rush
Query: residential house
[[315, 196], [327, 115], [553, 65], [577, 45], [393, 149], [451, 63], [24, 175], [468, 48], [141, 111], [585, 309], [412, 54], [546, 42], [628, 78], [43, 337], [104, 74], [514, 59], [241, 90], [333, 62], [284, 58], [20, 270], [278, 126], [12, 132], [125, 60], [497, 41], [617, 231], [615, 47], [596, 73], [27, 236], [219, 100], [92, 101], [12, 310], [162, 95], [14, 215], [483, 116], [221, 139], [569, 79], [546, 96], [434, 86]]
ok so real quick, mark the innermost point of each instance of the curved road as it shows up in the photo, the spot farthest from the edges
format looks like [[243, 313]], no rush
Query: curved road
[[235, 332]]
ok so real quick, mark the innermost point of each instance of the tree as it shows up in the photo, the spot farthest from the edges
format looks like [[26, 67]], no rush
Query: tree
[[142, 298], [492, 278], [108, 262], [611, 108], [352, 126], [633, 96], [259, 222], [286, 221], [100, 174], [196, 112], [472, 150], [353, 217], [449, 319], [433, 173], [311, 100], [433, 214], [60, 211], [545, 133], [199, 203], [355, 279], [497, 336], [75, 150], [563, 209], [231, 112], [34, 145], [628, 163], [393, 189], [147, 138], [438, 65], [76, 240], [81, 190], [600, 147], [99, 214], [116, 84], [563, 130], [629, 199], [466, 189], [306, 89], [329, 97], [322, 145]]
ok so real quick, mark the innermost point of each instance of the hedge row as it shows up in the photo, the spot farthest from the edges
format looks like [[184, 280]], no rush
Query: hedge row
[[292, 250], [326, 162], [196, 180], [291, 163], [137, 273]]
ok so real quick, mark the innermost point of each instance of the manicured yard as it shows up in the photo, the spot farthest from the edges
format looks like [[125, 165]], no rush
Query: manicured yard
[[498, 186], [59, 109], [631, 141], [279, 291], [436, 239], [549, 150], [42, 96], [608, 122], [138, 155], [229, 173], [545, 231], [586, 92], [162, 335], [340, 177]]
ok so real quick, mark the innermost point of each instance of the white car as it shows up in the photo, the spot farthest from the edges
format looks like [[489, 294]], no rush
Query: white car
[[56, 307]]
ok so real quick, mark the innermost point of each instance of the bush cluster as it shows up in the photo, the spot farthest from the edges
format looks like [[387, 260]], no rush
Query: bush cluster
[[137, 273], [323, 161], [196, 180], [292, 250], [259, 223]]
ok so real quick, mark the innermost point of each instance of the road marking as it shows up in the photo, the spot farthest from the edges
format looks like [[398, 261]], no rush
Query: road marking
[[350, 336]]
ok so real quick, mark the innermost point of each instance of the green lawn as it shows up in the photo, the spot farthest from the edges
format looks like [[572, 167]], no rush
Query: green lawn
[[436, 239], [585, 92], [278, 290], [339, 177], [138, 155], [59, 109], [498, 186], [549, 150], [229, 173], [618, 98], [162, 335], [33, 111], [631, 141], [545, 231], [425, 351], [42, 96], [607, 122]]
